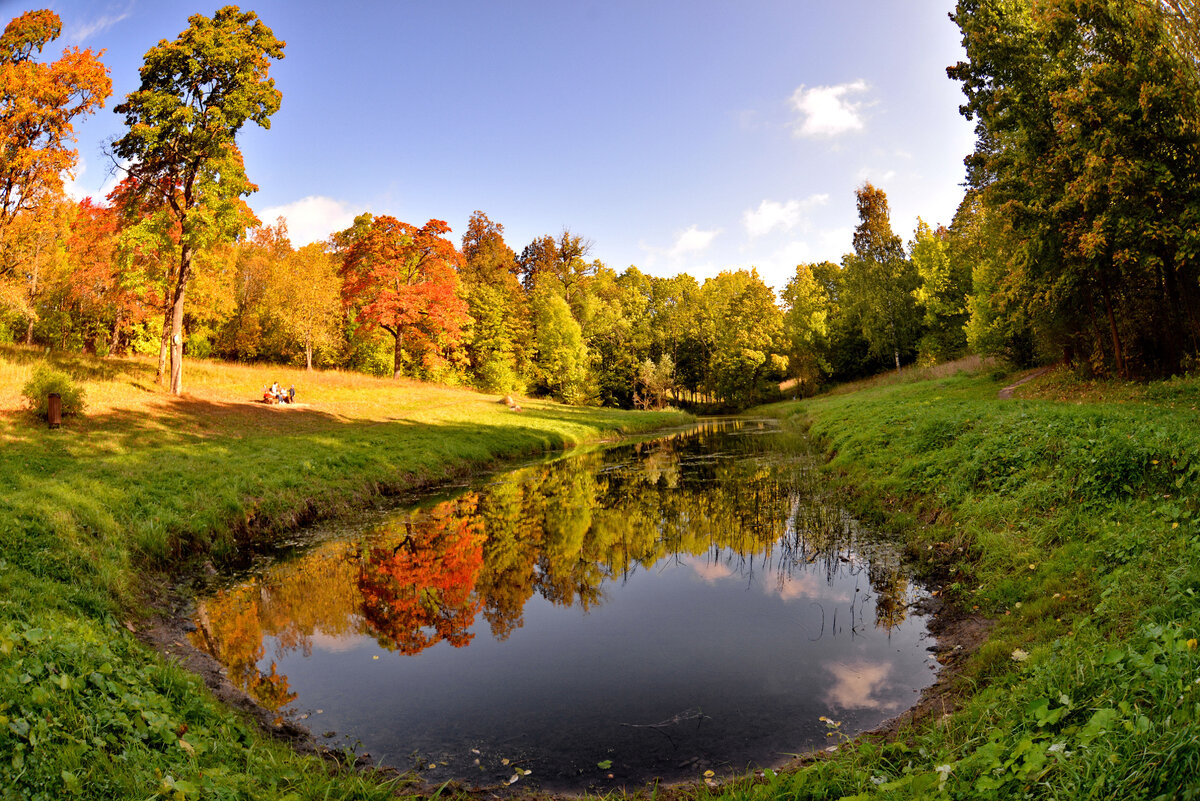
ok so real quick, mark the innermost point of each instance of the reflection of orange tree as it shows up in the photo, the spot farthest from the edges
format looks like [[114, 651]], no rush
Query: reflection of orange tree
[[418, 589], [231, 630]]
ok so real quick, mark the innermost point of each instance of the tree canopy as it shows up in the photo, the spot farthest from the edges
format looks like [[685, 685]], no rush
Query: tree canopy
[[196, 93]]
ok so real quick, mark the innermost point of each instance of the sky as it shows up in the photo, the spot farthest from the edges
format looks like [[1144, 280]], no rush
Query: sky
[[675, 135]]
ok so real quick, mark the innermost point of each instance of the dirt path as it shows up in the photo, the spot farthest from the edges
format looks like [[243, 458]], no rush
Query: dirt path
[[1007, 392]]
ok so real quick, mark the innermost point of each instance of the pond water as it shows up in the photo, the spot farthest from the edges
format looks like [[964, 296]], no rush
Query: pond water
[[649, 610]]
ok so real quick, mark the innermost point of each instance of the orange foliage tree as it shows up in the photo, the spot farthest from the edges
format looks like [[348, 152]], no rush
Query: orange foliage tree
[[403, 279], [38, 101], [109, 289], [421, 590]]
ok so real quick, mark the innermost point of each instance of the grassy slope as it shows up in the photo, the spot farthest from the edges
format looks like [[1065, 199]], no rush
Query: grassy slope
[[1079, 529], [144, 480]]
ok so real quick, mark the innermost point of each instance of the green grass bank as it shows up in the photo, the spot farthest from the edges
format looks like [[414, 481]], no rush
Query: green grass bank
[[1068, 514], [145, 485]]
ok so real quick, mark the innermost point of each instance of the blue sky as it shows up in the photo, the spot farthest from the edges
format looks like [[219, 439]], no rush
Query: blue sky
[[676, 136]]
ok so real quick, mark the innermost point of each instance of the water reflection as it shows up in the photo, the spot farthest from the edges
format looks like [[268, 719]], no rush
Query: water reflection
[[607, 534]]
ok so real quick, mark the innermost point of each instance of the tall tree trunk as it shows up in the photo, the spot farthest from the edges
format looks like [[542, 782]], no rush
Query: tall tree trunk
[[164, 338], [116, 335], [397, 362], [33, 292], [308, 354], [1118, 353], [185, 273]]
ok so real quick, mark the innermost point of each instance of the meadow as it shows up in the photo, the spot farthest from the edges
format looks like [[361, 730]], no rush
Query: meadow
[[96, 517], [1066, 516]]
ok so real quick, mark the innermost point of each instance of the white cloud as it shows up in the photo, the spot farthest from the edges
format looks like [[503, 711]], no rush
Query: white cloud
[[81, 32], [857, 685], [693, 240], [794, 253], [772, 214], [310, 219], [835, 242], [876, 176], [827, 110], [77, 187]]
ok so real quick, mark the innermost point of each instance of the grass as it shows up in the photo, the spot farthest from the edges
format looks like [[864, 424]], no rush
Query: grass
[[1069, 514], [1071, 517], [144, 482]]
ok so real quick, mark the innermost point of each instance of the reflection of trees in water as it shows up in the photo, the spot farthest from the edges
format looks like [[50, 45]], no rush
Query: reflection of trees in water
[[421, 590], [752, 503]]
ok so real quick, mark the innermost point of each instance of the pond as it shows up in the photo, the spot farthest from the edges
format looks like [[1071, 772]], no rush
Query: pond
[[652, 610]]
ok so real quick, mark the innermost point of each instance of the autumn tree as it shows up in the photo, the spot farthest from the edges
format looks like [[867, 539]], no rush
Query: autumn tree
[[196, 93], [243, 335], [880, 280], [403, 279], [109, 287], [496, 307], [38, 103], [305, 293], [558, 263]]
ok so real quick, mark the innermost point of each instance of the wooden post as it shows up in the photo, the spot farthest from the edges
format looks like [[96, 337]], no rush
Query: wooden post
[[54, 410]]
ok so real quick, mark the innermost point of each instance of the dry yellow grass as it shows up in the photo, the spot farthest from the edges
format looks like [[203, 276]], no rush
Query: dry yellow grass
[[226, 398]]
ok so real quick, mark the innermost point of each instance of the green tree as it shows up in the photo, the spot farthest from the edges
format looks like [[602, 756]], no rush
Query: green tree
[[496, 306], [942, 293], [880, 280], [806, 328], [196, 93], [742, 328], [561, 354], [1088, 149]]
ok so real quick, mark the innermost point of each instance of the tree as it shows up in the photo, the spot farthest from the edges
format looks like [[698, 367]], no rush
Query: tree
[[108, 286], [402, 279], [496, 307], [942, 294], [880, 280], [560, 262], [561, 355], [1088, 156], [806, 327], [196, 93], [38, 102], [306, 294], [244, 335]]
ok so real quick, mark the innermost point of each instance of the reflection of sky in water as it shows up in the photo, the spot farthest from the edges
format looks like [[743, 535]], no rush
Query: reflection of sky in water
[[717, 658]]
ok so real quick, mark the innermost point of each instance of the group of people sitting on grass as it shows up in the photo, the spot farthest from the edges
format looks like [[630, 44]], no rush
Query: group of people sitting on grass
[[277, 394]]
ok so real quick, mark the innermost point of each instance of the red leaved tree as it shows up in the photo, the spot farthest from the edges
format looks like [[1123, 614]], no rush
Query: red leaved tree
[[420, 589], [403, 279]]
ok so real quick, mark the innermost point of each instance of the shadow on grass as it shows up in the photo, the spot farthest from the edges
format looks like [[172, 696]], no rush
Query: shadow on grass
[[192, 471]]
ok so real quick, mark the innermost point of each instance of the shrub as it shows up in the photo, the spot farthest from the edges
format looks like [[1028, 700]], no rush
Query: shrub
[[45, 380]]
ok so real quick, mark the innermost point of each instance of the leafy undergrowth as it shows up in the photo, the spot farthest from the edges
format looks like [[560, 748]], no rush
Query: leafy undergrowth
[[1076, 526], [147, 481]]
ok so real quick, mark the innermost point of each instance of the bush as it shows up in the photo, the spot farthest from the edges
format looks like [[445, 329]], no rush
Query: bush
[[46, 380]]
